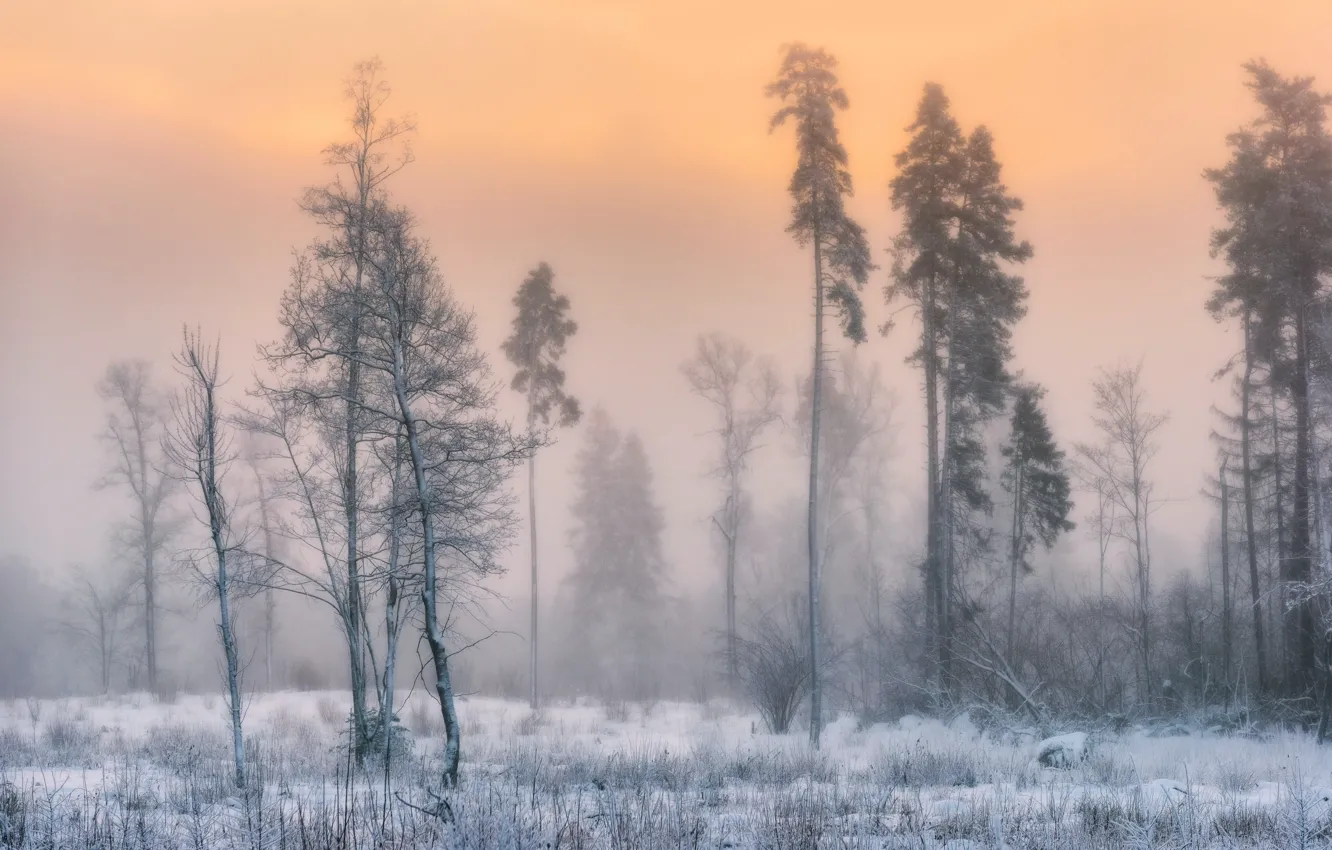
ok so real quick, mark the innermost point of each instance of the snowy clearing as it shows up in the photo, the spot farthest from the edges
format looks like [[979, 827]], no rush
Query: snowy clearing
[[135, 772]]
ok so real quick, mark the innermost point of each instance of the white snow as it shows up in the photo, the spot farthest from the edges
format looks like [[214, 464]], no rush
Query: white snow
[[919, 776], [1062, 750]]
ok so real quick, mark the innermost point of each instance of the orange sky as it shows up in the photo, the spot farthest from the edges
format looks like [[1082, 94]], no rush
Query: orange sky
[[152, 152]]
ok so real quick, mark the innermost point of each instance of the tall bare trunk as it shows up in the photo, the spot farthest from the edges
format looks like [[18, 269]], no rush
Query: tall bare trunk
[[1300, 621], [1103, 545], [1140, 508], [1278, 599], [233, 664], [147, 520], [392, 621], [351, 509], [1226, 625], [816, 403], [946, 507], [1251, 539], [1015, 555], [356, 232], [270, 603], [933, 586], [732, 638], [434, 633], [534, 697], [216, 522]]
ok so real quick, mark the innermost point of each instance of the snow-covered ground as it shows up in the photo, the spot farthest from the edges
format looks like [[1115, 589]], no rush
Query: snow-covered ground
[[137, 772]]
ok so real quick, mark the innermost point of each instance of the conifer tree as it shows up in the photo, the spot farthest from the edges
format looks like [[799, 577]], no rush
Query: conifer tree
[[617, 586], [1036, 478], [1276, 192], [950, 262], [810, 94], [541, 330]]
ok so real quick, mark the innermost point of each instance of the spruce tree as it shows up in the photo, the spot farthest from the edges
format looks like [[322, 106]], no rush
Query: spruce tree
[[617, 586], [810, 94], [1036, 478], [1276, 192], [541, 330], [950, 262]]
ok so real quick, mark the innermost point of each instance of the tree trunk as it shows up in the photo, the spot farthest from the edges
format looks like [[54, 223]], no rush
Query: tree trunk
[[1015, 556], [1279, 598], [104, 644], [233, 663], [1103, 531], [1251, 539], [732, 644], [1299, 617], [392, 623], [215, 506], [932, 584], [534, 696], [1144, 579], [355, 653], [434, 634], [270, 604], [1226, 626], [816, 401], [945, 505], [356, 232]]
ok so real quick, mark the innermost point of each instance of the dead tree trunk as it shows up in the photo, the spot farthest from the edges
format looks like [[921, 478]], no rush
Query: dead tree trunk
[[816, 401]]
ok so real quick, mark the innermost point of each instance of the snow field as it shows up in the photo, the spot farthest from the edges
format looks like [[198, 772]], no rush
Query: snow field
[[138, 772]]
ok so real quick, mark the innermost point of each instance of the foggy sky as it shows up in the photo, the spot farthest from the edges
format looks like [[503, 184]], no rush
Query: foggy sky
[[152, 153]]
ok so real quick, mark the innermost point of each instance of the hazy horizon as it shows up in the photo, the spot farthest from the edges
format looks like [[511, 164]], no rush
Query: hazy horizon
[[153, 162]]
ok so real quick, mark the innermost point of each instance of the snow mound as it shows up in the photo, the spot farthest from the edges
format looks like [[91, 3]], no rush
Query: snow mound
[[1062, 751]]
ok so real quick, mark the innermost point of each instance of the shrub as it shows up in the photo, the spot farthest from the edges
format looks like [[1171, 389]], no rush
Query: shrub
[[13, 816], [69, 736], [399, 743]]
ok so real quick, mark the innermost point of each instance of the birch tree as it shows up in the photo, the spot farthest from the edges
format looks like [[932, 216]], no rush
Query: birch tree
[[744, 394], [135, 429], [1120, 465], [811, 95], [200, 446], [429, 382], [96, 617], [541, 330], [317, 359]]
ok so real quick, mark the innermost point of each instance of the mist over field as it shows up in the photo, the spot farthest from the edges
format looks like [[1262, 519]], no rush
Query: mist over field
[[664, 425]]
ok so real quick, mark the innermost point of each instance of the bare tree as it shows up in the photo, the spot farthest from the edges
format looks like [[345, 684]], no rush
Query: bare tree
[[1119, 468], [427, 381], [321, 314], [773, 664], [269, 560], [744, 393], [96, 616], [399, 581], [200, 446], [135, 426]]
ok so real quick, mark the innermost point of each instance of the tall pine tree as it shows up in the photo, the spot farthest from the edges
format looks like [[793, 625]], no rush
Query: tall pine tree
[[541, 330], [810, 94], [950, 261], [1276, 192]]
